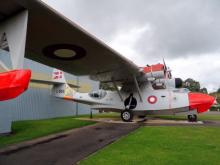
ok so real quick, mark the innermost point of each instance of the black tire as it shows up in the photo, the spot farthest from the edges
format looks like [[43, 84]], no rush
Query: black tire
[[195, 118], [127, 115], [189, 118], [192, 118]]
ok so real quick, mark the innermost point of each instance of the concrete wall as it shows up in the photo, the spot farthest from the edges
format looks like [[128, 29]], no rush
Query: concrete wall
[[37, 102]]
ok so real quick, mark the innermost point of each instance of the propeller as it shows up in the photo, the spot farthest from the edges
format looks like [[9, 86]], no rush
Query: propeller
[[165, 68]]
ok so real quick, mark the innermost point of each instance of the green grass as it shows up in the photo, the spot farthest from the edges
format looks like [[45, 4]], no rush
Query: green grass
[[162, 145], [26, 130], [103, 115]]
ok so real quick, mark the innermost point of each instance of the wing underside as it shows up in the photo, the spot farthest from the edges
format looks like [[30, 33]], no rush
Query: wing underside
[[54, 40]]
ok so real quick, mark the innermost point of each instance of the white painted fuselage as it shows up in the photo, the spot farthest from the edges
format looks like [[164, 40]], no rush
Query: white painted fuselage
[[151, 101]]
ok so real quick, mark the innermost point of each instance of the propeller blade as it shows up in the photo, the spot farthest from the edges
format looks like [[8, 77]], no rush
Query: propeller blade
[[170, 75], [164, 67]]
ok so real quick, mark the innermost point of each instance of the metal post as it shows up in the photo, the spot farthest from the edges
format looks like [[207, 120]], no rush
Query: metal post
[[91, 114], [77, 89]]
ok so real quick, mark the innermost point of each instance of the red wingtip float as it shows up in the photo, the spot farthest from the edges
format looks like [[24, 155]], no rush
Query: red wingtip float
[[201, 102], [13, 83]]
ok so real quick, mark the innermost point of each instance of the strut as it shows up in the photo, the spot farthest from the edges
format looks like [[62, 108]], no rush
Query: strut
[[138, 89], [115, 86]]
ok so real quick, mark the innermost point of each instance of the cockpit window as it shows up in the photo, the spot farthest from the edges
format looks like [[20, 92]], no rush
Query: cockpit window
[[98, 94], [182, 90]]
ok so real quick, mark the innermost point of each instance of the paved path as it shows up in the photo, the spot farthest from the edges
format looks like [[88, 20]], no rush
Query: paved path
[[70, 149]]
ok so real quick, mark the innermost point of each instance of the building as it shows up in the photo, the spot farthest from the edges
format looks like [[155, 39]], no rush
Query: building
[[37, 102]]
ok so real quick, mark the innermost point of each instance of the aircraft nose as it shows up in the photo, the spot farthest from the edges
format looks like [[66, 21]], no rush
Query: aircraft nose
[[199, 101]]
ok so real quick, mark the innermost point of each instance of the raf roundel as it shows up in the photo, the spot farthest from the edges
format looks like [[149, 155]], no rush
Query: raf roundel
[[64, 52], [152, 99]]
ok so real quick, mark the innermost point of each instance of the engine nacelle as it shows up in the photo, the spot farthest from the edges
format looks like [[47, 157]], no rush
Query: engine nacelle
[[153, 72]]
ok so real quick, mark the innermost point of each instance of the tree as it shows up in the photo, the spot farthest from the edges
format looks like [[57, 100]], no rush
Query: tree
[[204, 90], [192, 85]]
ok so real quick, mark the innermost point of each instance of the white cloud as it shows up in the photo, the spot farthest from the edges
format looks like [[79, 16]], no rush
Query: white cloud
[[205, 69], [125, 41]]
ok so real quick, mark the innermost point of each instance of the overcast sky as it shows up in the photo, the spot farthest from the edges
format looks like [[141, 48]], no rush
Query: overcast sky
[[185, 33]]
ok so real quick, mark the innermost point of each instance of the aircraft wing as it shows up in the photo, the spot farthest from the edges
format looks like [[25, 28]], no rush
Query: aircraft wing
[[54, 40]]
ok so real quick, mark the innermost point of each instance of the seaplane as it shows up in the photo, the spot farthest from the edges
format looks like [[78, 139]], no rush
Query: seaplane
[[34, 30]]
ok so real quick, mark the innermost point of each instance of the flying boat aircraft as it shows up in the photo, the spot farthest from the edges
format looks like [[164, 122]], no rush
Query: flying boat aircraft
[[34, 30]]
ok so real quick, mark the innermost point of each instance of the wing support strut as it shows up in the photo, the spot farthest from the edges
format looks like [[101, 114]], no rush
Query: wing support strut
[[119, 93], [138, 89], [13, 35]]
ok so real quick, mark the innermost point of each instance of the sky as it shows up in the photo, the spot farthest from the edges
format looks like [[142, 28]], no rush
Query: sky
[[185, 33]]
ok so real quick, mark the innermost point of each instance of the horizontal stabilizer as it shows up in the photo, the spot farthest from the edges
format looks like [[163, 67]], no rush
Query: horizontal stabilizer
[[48, 82]]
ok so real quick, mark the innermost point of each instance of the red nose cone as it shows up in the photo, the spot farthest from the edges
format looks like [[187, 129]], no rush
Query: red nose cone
[[201, 102]]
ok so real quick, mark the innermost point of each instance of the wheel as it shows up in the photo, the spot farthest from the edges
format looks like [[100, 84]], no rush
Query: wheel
[[127, 115], [192, 118], [195, 118]]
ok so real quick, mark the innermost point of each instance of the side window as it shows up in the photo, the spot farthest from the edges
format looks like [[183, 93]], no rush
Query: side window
[[98, 94], [159, 86]]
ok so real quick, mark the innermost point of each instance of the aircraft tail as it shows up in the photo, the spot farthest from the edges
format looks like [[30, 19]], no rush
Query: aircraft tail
[[58, 76], [60, 87]]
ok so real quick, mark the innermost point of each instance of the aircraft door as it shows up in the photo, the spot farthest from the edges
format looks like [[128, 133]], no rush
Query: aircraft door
[[130, 102]]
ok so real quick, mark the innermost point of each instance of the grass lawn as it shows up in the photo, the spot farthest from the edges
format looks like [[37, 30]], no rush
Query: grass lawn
[[26, 130], [103, 115], [162, 145]]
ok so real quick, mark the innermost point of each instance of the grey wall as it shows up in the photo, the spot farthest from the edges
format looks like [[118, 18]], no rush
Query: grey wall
[[38, 104]]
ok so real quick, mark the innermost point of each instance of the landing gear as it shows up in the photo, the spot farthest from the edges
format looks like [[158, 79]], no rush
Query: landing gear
[[127, 115], [192, 118]]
